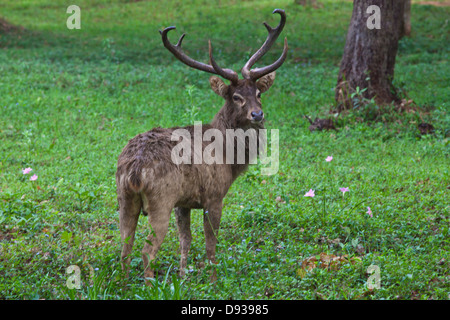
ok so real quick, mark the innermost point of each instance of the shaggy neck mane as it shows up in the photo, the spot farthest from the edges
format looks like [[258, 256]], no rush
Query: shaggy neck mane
[[223, 121]]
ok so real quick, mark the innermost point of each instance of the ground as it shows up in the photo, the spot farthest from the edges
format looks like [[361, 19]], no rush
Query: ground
[[71, 99]]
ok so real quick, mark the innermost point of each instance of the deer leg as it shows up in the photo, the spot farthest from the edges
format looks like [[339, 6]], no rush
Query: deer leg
[[129, 209], [183, 217], [159, 221], [211, 222]]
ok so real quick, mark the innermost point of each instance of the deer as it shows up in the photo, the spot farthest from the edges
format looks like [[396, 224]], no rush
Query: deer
[[148, 181]]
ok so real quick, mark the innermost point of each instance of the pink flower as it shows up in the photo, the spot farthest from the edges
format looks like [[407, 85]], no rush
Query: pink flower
[[369, 212], [344, 190], [310, 193], [33, 177], [329, 158], [27, 170]]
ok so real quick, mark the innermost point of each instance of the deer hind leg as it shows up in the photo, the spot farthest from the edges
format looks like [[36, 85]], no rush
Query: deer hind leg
[[158, 217], [183, 217], [129, 209], [211, 222]]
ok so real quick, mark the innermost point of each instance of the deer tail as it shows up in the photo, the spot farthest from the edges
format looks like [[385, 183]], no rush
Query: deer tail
[[134, 177]]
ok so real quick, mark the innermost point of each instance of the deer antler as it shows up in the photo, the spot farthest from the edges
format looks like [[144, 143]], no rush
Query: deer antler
[[180, 55], [271, 38]]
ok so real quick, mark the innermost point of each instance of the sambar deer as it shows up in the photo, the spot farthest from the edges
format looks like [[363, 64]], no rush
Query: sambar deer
[[148, 180]]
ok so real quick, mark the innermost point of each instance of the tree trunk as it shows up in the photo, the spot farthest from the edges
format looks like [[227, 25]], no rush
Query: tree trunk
[[370, 50], [407, 18]]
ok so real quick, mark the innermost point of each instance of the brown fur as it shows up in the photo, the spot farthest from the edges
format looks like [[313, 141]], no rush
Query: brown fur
[[147, 179]]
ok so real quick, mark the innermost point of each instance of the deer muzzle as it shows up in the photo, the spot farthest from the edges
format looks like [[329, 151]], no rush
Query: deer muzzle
[[257, 116]]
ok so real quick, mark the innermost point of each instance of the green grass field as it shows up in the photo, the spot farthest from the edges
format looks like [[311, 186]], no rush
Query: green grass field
[[71, 99]]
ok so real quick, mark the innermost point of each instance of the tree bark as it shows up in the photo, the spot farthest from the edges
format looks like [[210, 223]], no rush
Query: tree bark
[[369, 56], [407, 18]]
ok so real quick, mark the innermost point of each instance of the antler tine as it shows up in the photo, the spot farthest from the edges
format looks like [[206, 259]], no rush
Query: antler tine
[[180, 40], [271, 38], [225, 73], [180, 55], [260, 72]]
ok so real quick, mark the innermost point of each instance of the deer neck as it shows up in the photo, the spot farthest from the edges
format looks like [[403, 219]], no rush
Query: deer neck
[[223, 122]]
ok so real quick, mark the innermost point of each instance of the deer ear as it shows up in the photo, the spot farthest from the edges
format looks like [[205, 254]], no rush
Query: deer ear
[[218, 86], [265, 82]]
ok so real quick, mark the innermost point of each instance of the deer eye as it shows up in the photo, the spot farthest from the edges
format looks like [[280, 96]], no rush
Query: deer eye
[[258, 95], [237, 98]]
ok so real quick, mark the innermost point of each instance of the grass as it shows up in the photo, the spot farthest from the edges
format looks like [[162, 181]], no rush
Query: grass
[[71, 99]]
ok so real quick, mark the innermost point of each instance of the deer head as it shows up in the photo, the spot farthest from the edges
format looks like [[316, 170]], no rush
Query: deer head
[[242, 96]]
